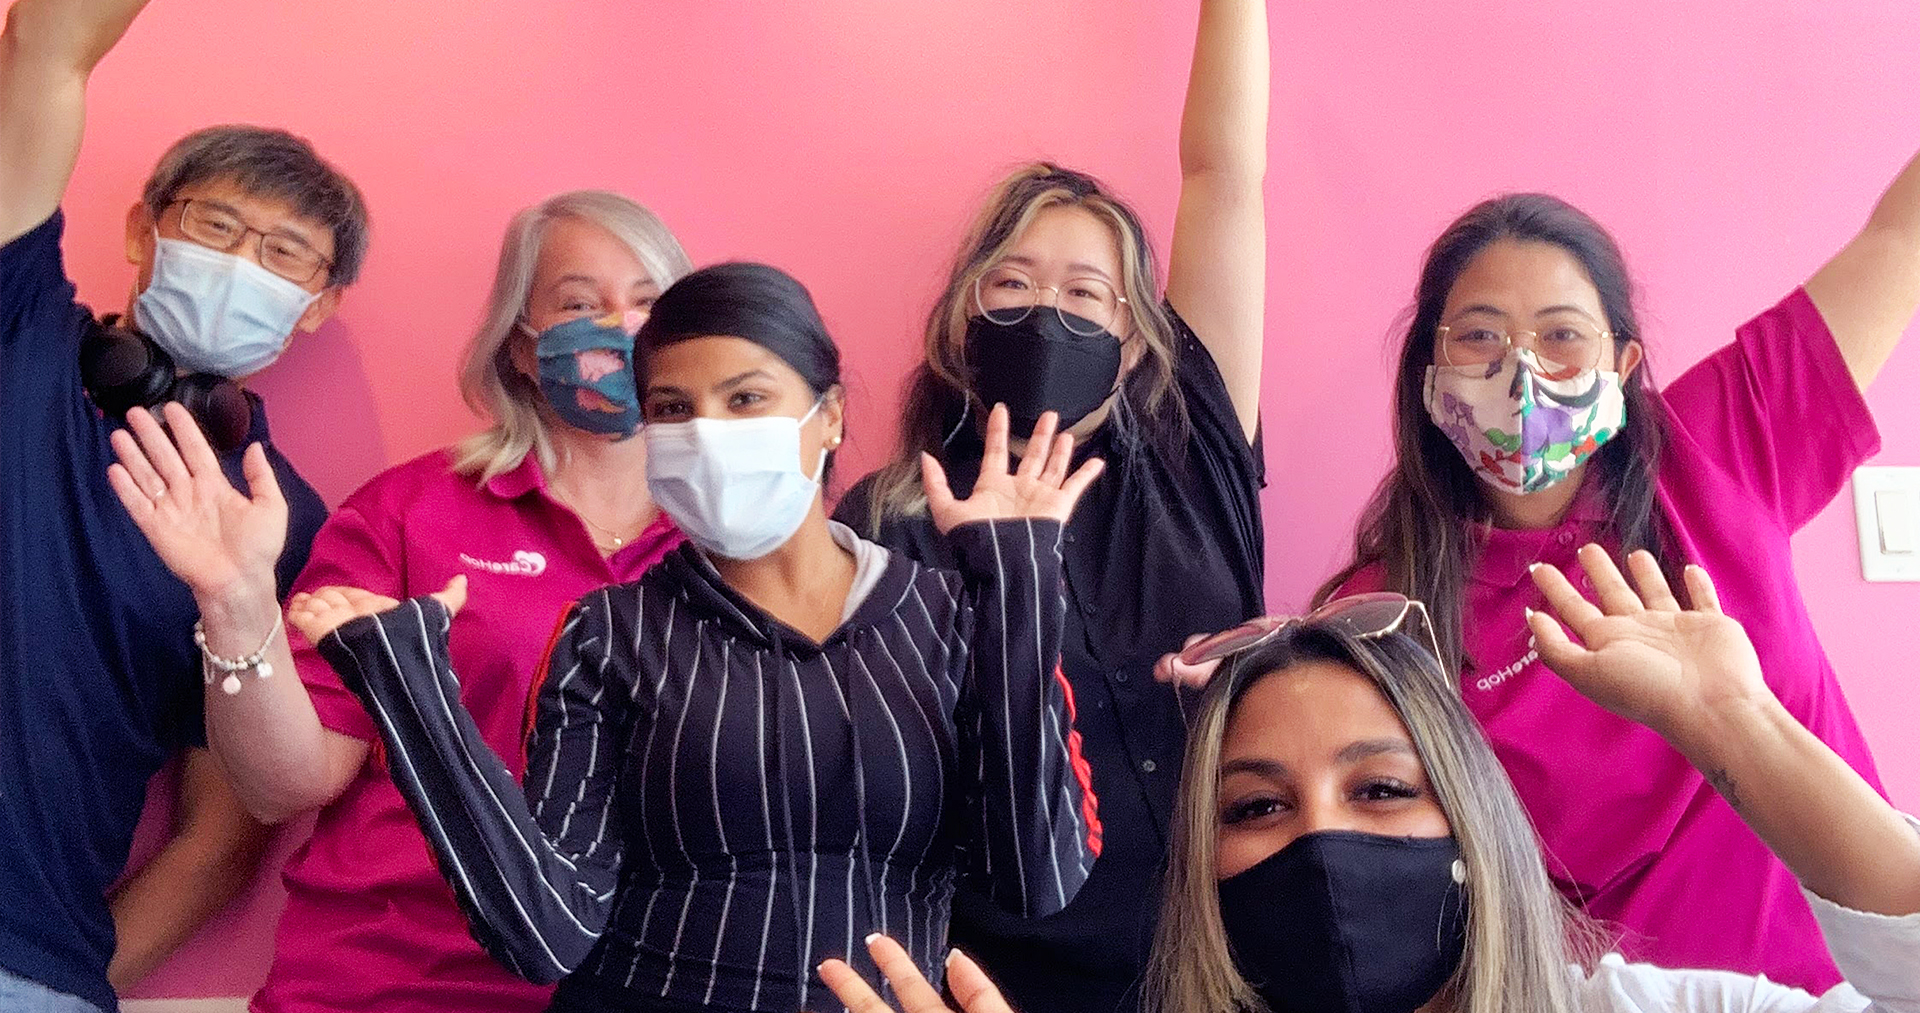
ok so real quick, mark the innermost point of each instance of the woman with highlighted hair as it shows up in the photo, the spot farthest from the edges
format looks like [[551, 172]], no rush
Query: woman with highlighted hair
[[1054, 304], [1347, 840]]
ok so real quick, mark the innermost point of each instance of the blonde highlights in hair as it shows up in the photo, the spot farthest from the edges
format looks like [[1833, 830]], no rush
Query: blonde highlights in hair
[[937, 392], [1522, 937], [493, 386]]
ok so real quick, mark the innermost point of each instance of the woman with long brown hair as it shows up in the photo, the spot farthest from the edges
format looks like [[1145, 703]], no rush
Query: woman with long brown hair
[[1527, 424], [1053, 304]]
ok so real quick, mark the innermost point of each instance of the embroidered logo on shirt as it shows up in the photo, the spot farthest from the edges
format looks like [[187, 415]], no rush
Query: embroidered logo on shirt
[[523, 564], [1491, 681]]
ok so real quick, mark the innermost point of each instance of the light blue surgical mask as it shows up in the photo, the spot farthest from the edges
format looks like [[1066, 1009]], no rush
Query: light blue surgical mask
[[215, 312], [733, 486]]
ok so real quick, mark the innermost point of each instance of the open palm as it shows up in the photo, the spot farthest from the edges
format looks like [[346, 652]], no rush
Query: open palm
[[1039, 488], [207, 532], [975, 992], [1641, 655]]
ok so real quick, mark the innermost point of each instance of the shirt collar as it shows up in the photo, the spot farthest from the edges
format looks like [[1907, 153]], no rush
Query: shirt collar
[[1505, 554], [517, 482]]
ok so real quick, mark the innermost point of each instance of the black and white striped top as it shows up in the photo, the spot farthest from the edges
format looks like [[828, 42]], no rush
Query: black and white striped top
[[714, 804]]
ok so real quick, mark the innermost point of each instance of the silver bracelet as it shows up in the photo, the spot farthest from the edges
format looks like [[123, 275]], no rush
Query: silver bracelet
[[256, 662]]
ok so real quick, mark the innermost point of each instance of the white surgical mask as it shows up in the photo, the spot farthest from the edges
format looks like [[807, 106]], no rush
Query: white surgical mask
[[215, 312], [733, 486]]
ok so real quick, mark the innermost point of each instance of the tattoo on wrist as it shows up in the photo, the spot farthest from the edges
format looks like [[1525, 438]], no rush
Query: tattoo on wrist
[[1724, 784]]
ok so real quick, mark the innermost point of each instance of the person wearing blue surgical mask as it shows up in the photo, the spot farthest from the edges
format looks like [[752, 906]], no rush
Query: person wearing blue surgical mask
[[241, 237]]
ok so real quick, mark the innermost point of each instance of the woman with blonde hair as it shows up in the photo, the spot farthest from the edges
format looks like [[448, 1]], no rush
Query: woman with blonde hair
[[1347, 840], [545, 504], [1054, 304]]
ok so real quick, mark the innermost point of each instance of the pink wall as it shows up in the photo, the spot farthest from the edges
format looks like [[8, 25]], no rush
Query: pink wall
[[1731, 145]]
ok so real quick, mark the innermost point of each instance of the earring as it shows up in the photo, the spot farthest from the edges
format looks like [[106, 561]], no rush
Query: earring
[[1459, 872]]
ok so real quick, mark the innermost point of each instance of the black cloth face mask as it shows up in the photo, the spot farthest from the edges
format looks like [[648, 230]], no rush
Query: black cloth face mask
[[1346, 922], [1037, 365]]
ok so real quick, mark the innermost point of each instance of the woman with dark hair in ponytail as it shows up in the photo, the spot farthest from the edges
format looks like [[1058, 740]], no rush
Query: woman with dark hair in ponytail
[[1527, 425], [781, 739]]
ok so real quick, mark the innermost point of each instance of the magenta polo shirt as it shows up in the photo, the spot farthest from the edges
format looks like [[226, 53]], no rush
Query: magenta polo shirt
[[1764, 433], [369, 923]]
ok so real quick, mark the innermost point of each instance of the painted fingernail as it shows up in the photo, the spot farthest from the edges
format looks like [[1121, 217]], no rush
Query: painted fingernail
[[1530, 613], [1534, 567], [871, 937], [952, 955]]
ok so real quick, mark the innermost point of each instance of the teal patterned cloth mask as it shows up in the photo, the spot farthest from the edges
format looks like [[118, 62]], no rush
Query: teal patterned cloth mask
[[1523, 423], [593, 392]]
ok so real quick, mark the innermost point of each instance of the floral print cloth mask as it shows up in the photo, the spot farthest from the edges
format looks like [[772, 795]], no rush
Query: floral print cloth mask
[[1523, 424]]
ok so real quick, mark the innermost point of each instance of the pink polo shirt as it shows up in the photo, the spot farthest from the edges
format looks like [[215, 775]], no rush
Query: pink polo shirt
[[369, 923], [1765, 432]]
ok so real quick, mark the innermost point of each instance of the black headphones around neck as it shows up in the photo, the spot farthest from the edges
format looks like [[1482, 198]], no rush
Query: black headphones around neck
[[123, 369]]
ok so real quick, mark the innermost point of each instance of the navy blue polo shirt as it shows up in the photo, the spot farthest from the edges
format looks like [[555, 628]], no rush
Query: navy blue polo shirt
[[99, 678]]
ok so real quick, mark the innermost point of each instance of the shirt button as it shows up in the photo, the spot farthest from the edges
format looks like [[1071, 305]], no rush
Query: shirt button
[[1149, 766], [1119, 677], [1566, 538]]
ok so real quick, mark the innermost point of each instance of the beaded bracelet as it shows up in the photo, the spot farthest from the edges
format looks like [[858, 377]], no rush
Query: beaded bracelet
[[256, 662]]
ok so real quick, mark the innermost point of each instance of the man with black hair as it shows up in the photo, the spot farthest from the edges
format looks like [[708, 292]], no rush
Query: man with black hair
[[242, 236]]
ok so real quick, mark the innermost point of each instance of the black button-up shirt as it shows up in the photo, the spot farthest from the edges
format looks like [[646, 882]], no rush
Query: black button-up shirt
[[1167, 543]]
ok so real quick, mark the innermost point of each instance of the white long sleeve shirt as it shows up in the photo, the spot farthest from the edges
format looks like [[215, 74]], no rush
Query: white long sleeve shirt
[[1879, 954]]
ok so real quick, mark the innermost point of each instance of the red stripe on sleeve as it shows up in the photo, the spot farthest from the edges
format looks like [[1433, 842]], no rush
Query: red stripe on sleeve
[[1082, 770], [539, 684]]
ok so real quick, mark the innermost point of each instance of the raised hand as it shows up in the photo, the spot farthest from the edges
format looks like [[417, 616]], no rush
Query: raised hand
[[321, 611], [1040, 487], [1641, 655], [202, 528], [970, 985]]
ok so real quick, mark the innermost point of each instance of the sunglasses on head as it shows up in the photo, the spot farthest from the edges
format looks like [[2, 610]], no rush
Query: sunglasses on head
[[1367, 616]]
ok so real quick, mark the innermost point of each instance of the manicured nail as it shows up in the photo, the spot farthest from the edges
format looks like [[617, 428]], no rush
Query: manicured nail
[[872, 937], [951, 956], [1529, 614], [1534, 567]]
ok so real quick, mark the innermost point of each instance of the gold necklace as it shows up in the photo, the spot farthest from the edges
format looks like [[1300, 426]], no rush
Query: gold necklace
[[612, 535]]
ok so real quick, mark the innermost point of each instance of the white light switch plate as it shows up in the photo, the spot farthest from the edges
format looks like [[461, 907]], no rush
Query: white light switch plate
[[1886, 508]]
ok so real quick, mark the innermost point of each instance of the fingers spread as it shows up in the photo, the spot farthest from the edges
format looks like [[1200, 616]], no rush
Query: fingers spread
[[1058, 461], [971, 986], [1706, 597], [1565, 601], [1039, 445], [261, 481], [1556, 649], [933, 478], [1082, 479], [1647, 576], [159, 450], [127, 449], [993, 461], [139, 505], [1608, 585], [199, 457], [915, 994], [850, 988]]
